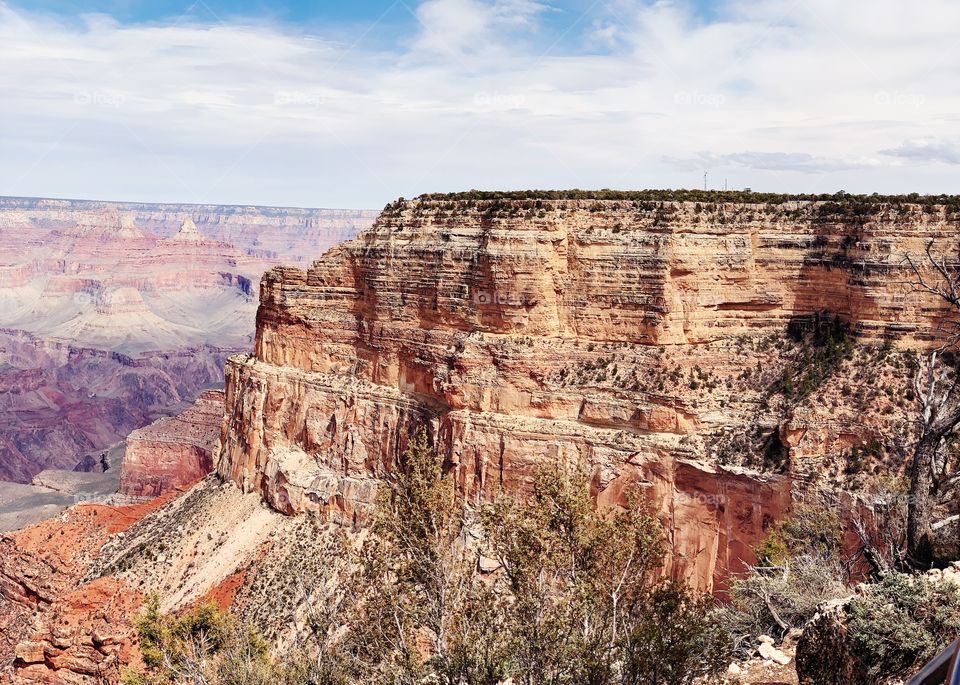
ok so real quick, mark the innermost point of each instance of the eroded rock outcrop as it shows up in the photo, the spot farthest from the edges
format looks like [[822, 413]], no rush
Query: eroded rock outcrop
[[621, 336], [54, 627], [174, 452]]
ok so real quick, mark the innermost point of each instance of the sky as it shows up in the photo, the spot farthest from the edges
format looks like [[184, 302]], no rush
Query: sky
[[353, 104]]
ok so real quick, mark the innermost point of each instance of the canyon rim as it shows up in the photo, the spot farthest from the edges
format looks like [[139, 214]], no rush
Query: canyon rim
[[638, 337]]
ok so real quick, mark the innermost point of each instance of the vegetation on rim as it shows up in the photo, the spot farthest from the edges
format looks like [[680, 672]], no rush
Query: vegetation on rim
[[545, 591], [696, 195]]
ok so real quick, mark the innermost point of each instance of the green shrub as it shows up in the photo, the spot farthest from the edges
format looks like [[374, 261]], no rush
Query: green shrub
[[206, 645], [798, 568], [811, 530], [824, 342], [577, 598], [773, 600], [901, 621]]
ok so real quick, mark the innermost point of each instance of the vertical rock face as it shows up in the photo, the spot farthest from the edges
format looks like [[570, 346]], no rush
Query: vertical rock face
[[59, 403], [620, 336], [174, 452]]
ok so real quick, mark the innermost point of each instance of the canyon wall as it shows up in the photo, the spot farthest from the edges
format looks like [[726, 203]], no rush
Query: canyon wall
[[173, 452], [645, 342], [113, 314], [618, 336], [287, 235], [59, 403], [630, 338]]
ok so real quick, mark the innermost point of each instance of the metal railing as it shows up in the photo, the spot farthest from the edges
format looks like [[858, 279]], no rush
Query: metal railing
[[943, 670]]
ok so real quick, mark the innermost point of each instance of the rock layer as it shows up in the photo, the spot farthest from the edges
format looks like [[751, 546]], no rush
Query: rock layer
[[174, 452], [287, 235], [61, 402], [618, 336], [119, 300]]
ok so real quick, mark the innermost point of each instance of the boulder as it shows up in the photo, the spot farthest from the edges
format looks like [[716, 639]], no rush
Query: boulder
[[771, 653], [823, 653], [29, 652]]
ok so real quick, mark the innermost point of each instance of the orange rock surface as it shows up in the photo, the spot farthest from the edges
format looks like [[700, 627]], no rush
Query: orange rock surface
[[527, 332], [54, 628], [173, 452]]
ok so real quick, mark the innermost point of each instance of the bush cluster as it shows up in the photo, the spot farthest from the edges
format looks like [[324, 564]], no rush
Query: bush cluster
[[798, 568], [824, 342], [902, 621], [836, 203], [545, 591]]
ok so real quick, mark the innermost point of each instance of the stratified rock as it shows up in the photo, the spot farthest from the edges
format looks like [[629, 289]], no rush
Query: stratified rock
[[174, 452], [626, 337], [60, 403], [286, 235], [112, 314], [188, 232]]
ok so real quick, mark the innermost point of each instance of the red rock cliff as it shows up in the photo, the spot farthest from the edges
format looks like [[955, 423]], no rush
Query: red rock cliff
[[622, 336], [173, 452]]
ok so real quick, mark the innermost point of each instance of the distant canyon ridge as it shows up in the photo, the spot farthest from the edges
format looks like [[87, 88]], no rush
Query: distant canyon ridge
[[114, 314]]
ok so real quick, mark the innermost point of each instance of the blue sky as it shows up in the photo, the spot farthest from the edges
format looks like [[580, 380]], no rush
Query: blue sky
[[354, 104], [319, 12], [372, 22]]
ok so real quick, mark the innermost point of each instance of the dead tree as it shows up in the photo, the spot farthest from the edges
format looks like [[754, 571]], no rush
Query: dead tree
[[937, 385]]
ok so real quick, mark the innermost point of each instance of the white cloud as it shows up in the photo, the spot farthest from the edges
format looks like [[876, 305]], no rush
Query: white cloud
[[456, 27], [926, 151], [776, 95], [772, 161]]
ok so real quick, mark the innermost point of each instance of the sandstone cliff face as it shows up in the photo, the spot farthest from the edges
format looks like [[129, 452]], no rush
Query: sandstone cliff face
[[174, 452], [643, 342], [623, 337]]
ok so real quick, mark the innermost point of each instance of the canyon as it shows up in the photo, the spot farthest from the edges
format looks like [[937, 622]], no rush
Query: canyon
[[115, 314], [634, 339], [642, 339]]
